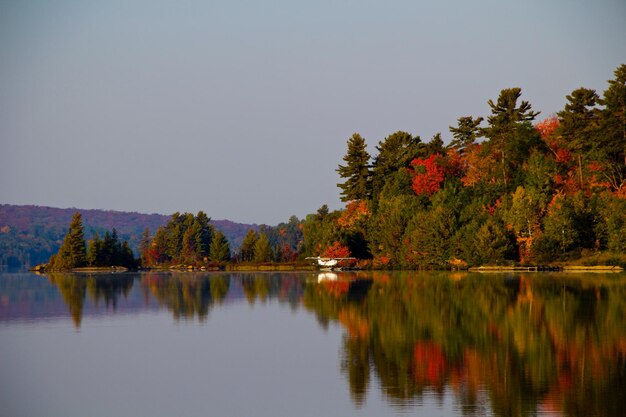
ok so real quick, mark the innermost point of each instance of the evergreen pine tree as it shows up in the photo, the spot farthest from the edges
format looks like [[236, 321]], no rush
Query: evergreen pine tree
[[465, 133], [220, 248], [578, 122], [94, 250], [203, 234], [246, 252], [262, 249], [395, 152], [612, 139], [434, 146], [506, 117], [72, 253], [356, 171], [108, 250]]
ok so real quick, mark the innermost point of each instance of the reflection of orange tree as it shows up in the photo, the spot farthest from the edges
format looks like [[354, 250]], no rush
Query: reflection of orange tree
[[531, 342]]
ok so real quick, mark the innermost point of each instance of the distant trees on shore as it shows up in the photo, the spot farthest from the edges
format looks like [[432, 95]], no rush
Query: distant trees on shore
[[506, 189], [74, 253]]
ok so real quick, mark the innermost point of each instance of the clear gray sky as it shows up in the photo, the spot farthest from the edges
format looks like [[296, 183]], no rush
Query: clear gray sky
[[243, 108]]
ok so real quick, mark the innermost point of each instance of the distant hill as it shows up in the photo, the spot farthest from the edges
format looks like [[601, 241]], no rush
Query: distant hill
[[29, 234]]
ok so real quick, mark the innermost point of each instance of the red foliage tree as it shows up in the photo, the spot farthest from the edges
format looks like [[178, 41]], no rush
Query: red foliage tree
[[429, 174], [336, 250]]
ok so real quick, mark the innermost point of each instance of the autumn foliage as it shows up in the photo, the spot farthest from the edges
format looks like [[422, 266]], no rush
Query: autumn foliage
[[484, 198], [429, 174], [355, 212], [336, 250]]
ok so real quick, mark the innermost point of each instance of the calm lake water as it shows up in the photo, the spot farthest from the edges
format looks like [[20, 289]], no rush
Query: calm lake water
[[303, 344]]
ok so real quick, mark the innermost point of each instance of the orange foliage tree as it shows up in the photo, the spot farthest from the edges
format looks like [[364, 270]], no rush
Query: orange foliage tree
[[355, 212], [336, 250]]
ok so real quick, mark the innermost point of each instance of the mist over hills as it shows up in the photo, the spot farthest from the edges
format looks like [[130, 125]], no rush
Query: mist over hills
[[30, 234]]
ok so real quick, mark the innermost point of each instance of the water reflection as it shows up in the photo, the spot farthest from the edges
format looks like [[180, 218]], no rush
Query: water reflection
[[512, 345], [186, 295], [536, 344], [105, 288]]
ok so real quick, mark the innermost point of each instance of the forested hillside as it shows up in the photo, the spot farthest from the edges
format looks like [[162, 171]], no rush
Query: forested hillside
[[509, 187], [31, 234]]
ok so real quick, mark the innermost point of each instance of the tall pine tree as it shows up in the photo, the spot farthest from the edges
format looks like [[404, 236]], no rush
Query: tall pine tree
[[466, 132], [612, 140], [220, 248], [504, 123], [395, 152], [72, 253], [356, 171], [578, 122]]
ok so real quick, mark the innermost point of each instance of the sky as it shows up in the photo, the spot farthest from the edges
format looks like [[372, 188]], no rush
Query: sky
[[243, 108]]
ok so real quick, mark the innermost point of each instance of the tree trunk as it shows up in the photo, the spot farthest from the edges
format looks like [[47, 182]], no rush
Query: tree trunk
[[580, 170]]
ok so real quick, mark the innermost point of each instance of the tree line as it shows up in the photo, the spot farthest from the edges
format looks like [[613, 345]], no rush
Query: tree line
[[507, 188], [191, 240], [74, 252]]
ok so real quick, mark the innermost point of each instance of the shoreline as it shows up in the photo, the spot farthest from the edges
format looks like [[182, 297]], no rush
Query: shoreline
[[313, 268]]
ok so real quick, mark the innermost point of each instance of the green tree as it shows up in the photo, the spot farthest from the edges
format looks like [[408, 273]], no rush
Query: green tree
[[395, 152], [356, 171], [94, 250], [505, 119], [612, 211], [434, 146], [203, 234], [612, 133], [72, 253], [523, 213], [320, 230], [388, 225], [262, 249], [246, 252], [189, 251], [578, 124], [126, 257], [466, 132], [539, 172], [492, 243], [567, 227], [428, 239], [220, 248]]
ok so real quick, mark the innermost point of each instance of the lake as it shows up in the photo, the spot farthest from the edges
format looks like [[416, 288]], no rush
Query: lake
[[308, 344]]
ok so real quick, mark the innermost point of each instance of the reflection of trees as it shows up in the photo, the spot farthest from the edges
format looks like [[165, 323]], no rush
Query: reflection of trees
[[108, 288], [74, 287], [285, 287], [533, 342], [187, 295]]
